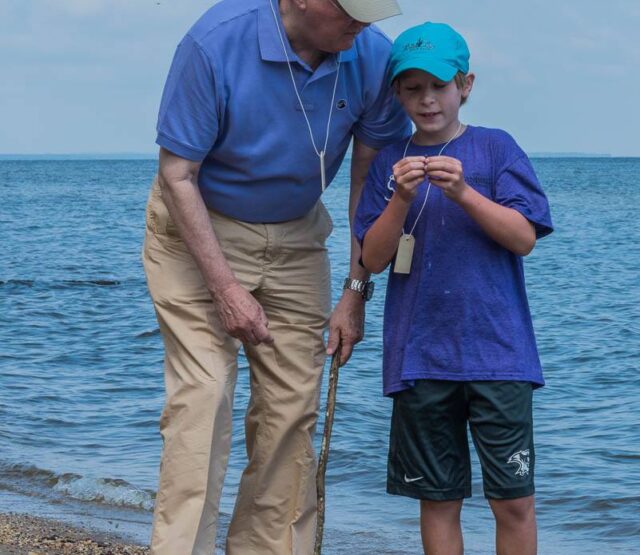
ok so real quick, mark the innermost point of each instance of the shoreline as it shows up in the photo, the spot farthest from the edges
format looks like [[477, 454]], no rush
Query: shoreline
[[22, 534]]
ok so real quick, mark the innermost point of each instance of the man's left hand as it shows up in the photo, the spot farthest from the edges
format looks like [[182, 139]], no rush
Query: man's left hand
[[346, 325]]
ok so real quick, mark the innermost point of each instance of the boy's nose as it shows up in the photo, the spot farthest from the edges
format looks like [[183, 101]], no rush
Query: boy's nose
[[427, 99]]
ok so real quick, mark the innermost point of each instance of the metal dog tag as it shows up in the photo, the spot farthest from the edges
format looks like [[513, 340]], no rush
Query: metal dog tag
[[404, 254]]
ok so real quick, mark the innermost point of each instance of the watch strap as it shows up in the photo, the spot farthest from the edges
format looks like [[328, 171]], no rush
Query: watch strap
[[365, 288]]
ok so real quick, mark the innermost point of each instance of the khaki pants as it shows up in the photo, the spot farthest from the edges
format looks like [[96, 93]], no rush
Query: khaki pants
[[285, 266]]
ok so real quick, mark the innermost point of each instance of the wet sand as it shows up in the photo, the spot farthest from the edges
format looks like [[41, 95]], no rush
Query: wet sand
[[27, 535]]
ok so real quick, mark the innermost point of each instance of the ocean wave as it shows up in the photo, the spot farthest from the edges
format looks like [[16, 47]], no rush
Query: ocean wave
[[31, 480], [150, 333], [105, 490], [65, 283]]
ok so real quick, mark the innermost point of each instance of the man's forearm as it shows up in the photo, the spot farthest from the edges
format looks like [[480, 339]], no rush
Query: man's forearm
[[189, 213], [362, 157], [241, 315]]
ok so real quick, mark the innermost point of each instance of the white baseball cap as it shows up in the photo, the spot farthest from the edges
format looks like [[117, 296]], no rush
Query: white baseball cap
[[369, 11]]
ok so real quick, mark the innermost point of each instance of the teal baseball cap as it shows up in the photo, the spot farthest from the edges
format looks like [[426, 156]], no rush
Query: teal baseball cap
[[432, 47]]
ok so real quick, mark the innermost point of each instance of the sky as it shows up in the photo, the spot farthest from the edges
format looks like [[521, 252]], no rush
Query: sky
[[86, 76]]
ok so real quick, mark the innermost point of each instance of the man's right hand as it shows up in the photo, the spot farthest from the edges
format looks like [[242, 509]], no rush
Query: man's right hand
[[242, 316]]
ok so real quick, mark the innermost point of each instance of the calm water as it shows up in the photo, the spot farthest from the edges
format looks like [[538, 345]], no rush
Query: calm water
[[81, 385]]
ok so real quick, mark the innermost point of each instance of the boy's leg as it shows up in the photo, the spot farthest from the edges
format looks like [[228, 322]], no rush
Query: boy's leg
[[440, 527], [429, 459], [516, 532], [501, 422]]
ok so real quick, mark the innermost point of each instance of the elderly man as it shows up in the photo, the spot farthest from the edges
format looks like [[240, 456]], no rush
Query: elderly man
[[262, 101]]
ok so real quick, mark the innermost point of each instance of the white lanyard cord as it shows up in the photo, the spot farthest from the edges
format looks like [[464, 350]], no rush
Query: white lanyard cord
[[319, 153], [426, 196]]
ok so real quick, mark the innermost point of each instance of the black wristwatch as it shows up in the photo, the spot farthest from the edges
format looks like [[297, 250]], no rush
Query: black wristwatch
[[365, 288]]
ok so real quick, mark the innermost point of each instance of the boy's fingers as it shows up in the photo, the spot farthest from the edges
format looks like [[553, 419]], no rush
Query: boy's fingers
[[430, 159], [440, 176], [411, 175], [402, 170], [450, 165], [441, 164], [413, 159], [410, 162]]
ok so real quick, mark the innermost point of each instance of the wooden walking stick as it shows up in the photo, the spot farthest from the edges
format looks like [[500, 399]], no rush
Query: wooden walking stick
[[324, 449]]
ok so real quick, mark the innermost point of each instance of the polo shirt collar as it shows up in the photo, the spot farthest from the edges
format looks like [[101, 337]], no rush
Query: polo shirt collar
[[271, 47]]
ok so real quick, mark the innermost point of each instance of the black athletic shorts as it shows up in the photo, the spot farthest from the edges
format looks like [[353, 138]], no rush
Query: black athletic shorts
[[429, 449]]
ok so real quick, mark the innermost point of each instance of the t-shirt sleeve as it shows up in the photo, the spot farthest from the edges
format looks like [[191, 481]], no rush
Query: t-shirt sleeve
[[372, 200], [188, 121], [517, 187], [384, 122]]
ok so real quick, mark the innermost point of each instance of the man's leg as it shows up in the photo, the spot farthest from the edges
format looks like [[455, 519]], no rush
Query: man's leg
[[440, 527], [275, 512], [200, 373], [516, 532]]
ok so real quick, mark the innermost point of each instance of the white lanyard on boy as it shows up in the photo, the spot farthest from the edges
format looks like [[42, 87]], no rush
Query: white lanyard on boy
[[319, 153], [407, 241]]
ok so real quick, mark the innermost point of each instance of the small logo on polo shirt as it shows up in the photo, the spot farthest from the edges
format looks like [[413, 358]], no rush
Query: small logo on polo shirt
[[341, 104], [521, 458]]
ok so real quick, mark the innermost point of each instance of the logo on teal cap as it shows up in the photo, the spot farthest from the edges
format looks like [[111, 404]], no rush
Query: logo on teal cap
[[432, 47]]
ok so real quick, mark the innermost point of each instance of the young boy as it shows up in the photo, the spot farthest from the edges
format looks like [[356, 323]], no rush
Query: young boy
[[457, 207]]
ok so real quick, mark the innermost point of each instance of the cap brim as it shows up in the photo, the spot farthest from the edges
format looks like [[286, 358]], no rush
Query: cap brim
[[440, 70], [368, 11]]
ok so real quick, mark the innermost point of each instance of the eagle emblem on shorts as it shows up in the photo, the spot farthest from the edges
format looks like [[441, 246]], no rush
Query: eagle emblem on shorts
[[521, 458]]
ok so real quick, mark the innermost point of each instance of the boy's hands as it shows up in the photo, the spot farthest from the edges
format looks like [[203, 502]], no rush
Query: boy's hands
[[447, 173], [443, 171], [408, 173]]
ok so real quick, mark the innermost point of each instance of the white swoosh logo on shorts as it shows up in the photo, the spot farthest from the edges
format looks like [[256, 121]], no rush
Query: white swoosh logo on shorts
[[409, 480]]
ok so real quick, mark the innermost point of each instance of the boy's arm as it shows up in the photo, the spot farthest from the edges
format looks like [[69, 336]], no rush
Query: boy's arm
[[504, 225], [381, 241]]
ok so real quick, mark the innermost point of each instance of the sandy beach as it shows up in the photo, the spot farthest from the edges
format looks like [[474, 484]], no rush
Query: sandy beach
[[27, 535]]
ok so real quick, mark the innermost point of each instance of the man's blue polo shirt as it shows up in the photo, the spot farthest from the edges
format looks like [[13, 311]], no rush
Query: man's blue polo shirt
[[229, 103]]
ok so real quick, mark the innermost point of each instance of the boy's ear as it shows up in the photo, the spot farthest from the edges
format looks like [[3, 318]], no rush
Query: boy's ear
[[466, 90]]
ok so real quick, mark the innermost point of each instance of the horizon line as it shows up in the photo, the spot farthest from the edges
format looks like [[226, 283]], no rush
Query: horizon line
[[154, 155]]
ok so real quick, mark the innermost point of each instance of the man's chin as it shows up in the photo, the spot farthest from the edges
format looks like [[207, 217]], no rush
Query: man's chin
[[341, 45]]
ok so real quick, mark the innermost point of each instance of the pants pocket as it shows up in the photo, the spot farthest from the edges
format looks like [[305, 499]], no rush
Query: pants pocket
[[158, 219], [327, 221]]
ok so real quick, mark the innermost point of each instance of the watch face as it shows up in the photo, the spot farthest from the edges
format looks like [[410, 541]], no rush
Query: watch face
[[368, 292]]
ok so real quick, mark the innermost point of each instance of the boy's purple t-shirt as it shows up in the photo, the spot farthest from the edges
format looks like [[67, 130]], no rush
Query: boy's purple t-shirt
[[462, 312]]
